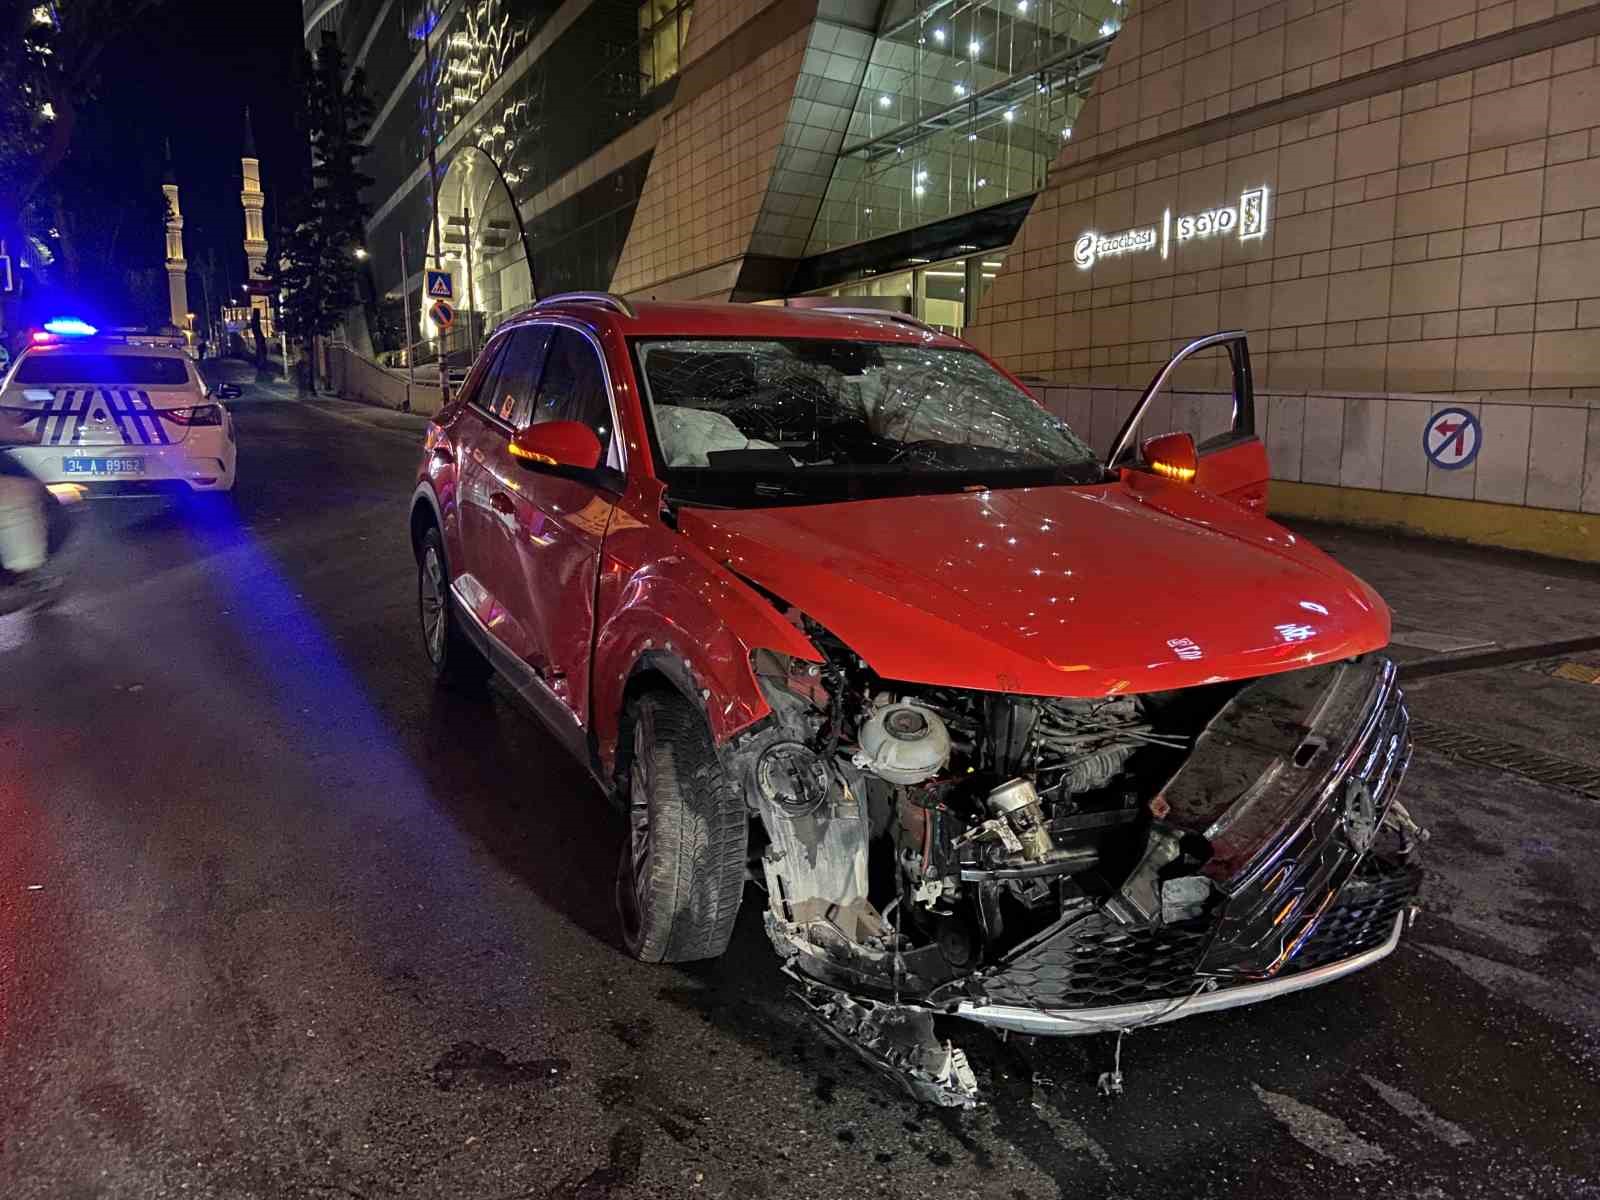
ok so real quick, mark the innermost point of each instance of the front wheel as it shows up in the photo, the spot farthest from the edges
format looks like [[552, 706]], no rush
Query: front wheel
[[454, 659], [682, 872]]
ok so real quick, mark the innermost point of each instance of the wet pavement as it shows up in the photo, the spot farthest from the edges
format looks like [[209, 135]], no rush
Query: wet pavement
[[278, 919]]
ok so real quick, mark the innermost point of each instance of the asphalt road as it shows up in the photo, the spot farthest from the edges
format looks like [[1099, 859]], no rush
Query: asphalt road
[[279, 920]]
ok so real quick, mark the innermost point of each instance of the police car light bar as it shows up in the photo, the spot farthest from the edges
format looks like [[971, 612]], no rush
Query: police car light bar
[[67, 327]]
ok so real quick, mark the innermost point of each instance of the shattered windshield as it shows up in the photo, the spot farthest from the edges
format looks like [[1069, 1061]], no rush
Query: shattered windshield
[[751, 420]]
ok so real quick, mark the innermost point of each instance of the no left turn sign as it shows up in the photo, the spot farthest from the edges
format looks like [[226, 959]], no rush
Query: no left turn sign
[[1452, 438]]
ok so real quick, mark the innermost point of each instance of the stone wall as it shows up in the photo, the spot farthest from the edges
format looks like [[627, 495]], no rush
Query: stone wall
[[1531, 454], [718, 144], [1433, 236]]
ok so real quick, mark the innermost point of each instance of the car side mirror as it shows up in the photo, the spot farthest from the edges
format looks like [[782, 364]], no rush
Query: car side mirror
[[1171, 455], [557, 444], [229, 391]]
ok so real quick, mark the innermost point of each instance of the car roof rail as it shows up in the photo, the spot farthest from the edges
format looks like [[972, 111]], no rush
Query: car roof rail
[[886, 314], [604, 299]]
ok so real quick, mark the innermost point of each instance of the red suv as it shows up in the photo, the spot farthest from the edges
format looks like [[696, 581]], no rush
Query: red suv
[[1006, 730]]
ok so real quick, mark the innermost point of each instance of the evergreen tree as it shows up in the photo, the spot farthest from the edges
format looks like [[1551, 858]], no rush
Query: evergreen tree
[[316, 269]]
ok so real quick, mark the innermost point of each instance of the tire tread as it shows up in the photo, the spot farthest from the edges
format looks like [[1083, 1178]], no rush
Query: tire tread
[[700, 834]]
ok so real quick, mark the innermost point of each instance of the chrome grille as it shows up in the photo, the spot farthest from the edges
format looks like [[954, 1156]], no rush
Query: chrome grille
[[1097, 963]]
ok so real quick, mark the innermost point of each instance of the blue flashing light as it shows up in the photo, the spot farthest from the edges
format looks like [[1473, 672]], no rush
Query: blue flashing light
[[70, 327], [426, 25]]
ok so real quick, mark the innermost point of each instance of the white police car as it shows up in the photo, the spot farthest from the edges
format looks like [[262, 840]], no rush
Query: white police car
[[116, 415]]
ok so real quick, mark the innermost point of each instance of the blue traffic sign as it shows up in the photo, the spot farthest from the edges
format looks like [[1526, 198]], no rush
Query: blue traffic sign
[[441, 286], [1452, 438]]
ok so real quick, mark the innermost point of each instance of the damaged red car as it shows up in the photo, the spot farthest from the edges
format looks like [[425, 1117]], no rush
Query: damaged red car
[[1006, 729]]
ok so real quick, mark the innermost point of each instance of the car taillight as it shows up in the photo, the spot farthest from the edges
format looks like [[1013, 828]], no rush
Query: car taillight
[[205, 414]]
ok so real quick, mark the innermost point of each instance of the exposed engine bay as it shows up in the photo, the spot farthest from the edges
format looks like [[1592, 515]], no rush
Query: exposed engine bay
[[1063, 865]]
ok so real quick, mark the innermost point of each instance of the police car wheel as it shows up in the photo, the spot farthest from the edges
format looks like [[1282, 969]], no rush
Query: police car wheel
[[454, 659]]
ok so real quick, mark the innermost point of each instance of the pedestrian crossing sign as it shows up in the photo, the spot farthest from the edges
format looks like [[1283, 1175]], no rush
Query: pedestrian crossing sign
[[441, 286]]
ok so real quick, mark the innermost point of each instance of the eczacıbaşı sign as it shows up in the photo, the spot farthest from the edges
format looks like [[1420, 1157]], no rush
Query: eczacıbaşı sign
[[1249, 217]]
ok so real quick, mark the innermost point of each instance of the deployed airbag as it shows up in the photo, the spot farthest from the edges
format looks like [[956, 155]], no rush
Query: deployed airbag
[[689, 435]]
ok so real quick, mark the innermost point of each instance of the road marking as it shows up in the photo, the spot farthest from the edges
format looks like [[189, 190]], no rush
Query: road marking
[[1415, 1110], [1321, 1132], [1072, 1135], [1563, 1002]]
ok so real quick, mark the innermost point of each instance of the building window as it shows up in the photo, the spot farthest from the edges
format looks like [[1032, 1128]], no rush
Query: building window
[[944, 294], [663, 28], [962, 107]]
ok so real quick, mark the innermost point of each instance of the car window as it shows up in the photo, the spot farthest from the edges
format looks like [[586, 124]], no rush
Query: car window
[[517, 375], [125, 370], [574, 386], [485, 382]]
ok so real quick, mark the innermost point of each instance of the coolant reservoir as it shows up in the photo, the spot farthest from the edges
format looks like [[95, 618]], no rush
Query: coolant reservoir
[[903, 743]]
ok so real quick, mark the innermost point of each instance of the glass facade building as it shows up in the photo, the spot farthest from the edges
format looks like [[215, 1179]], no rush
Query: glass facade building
[[1396, 201], [899, 141]]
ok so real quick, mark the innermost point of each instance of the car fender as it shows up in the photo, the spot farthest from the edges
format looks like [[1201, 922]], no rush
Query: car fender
[[696, 624], [425, 500]]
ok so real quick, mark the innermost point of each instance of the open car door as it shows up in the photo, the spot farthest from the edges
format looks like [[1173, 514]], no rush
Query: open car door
[[1231, 464]]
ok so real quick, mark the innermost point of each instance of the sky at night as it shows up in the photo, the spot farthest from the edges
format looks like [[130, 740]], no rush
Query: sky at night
[[187, 73]]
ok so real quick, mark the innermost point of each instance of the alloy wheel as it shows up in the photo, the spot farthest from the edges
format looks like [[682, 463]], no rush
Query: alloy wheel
[[633, 872], [435, 620]]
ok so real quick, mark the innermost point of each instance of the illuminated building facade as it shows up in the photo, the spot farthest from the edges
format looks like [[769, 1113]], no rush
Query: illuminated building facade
[[1396, 198], [745, 148]]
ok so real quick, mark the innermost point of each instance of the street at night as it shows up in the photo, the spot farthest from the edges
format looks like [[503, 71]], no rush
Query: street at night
[[766, 599], [280, 918]]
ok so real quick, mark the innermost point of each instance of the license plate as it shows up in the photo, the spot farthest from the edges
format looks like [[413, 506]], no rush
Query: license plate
[[103, 466]]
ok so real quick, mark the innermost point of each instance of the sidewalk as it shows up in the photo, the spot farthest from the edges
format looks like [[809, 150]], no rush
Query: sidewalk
[[408, 425], [1453, 601]]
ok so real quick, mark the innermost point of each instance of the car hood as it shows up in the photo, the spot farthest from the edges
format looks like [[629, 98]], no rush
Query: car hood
[[1132, 586]]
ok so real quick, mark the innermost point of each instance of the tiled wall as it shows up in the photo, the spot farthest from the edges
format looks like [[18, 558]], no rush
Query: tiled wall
[[714, 160], [1434, 240], [1543, 455]]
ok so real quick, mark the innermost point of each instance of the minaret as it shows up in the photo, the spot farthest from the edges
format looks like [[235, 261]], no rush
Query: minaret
[[255, 234], [177, 268]]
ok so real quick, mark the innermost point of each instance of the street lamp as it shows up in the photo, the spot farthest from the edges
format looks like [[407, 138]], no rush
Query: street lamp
[[361, 254]]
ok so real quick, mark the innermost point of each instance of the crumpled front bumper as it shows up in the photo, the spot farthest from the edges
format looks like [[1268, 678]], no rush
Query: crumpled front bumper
[[1307, 898], [1147, 978]]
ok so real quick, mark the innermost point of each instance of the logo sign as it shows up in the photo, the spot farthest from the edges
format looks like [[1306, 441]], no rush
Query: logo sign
[[443, 314], [1452, 438], [1093, 245], [441, 286], [1360, 816], [1246, 220], [1186, 648]]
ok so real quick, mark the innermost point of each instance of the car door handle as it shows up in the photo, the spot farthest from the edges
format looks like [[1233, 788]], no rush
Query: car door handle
[[501, 503]]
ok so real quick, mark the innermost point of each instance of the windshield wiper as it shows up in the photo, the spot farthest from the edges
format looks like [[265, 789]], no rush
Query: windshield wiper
[[778, 489]]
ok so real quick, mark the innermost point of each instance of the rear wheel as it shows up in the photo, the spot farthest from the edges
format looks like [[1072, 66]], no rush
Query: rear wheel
[[682, 872], [454, 659]]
